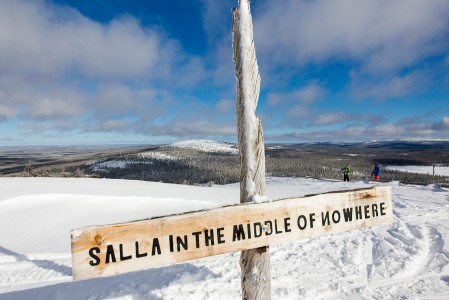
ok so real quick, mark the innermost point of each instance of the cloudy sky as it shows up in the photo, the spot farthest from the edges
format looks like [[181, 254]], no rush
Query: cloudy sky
[[133, 71]]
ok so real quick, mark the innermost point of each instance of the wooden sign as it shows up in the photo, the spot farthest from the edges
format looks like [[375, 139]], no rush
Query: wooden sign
[[99, 251]]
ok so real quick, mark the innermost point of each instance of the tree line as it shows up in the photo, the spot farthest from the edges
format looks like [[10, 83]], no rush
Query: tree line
[[196, 167]]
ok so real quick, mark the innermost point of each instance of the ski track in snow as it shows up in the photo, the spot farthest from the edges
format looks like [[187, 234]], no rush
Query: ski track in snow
[[408, 259], [18, 269]]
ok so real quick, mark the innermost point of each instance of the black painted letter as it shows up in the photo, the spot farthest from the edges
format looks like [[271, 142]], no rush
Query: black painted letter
[[287, 224], [238, 232], [110, 255], [96, 260], [138, 254], [304, 220], [257, 229], [347, 214], [122, 258], [324, 218], [156, 247], [382, 209], [220, 235]]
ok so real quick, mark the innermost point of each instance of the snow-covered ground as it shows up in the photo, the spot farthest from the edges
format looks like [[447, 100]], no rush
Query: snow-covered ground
[[406, 260], [439, 170], [117, 163], [206, 146], [156, 155]]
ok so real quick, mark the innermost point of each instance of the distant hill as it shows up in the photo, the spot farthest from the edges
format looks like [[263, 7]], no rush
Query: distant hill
[[403, 145]]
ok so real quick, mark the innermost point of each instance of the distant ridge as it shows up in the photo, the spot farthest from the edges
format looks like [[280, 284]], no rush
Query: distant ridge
[[409, 145]]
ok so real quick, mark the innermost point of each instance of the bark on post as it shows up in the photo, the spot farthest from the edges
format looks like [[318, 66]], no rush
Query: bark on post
[[254, 263]]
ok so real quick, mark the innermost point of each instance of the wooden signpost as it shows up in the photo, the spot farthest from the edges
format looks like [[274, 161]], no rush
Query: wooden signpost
[[99, 251], [254, 263], [249, 227]]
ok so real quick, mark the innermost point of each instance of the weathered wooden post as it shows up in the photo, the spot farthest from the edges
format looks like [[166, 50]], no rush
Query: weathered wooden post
[[254, 263]]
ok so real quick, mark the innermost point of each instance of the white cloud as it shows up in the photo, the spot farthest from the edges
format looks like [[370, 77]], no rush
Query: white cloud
[[40, 100], [383, 130], [409, 130], [6, 112], [306, 95], [381, 35], [189, 128], [294, 107], [298, 113], [442, 125], [188, 73], [60, 67], [112, 125], [118, 99], [52, 58], [331, 118], [49, 108], [57, 65], [225, 105], [388, 86], [48, 40], [33, 128]]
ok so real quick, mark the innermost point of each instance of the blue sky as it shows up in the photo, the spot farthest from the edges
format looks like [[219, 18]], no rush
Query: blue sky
[[116, 71]]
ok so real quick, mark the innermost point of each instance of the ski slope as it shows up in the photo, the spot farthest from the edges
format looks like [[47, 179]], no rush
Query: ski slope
[[408, 259]]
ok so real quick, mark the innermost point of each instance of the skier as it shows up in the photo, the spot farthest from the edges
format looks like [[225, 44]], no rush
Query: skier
[[346, 171], [376, 172]]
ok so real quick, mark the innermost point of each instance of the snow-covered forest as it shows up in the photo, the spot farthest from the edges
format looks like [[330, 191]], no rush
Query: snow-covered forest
[[206, 162]]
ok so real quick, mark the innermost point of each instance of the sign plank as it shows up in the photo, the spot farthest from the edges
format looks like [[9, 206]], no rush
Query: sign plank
[[107, 250]]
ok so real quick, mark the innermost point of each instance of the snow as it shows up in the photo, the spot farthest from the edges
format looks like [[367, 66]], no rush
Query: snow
[[118, 164], [259, 199], [206, 146], [408, 259], [156, 155], [439, 170]]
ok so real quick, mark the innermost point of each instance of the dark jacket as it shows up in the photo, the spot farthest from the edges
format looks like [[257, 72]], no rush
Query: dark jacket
[[376, 171]]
